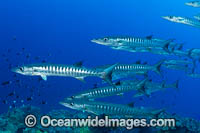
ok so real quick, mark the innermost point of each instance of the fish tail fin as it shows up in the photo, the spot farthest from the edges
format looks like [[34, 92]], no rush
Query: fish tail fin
[[142, 89], [163, 85], [107, 74], [173, 48], [166, 45], [178, 47], [142, 83], [190, 53], [176, 85], [158, 66]]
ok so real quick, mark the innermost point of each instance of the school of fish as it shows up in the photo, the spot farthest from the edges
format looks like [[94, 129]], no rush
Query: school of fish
[[115, 74]]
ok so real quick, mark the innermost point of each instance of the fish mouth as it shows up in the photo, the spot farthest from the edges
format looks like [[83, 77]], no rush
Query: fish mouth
[[98, 42], [94, 40], [66, 105], [165, 17], [69, 98]]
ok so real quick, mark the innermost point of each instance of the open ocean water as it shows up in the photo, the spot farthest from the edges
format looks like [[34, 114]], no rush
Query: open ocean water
[[60, 32]]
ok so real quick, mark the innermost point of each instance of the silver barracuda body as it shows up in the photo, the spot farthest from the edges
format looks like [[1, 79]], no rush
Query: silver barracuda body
[[197, 17], [177, 62], [194, 75], [80, 73], [132, 43], [193, 3], [100, 108], [150, 87], [108, 91], [194, 54], [136, 68], [183, 20], [180, 53], [176, 67]]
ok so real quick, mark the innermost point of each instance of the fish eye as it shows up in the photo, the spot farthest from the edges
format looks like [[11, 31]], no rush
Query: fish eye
[[72, 97], [105, 39], [170, 17], [21, 69], [71, 104]]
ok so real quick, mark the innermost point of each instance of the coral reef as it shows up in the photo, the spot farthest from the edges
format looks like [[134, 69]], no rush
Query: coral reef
[[13, 121]]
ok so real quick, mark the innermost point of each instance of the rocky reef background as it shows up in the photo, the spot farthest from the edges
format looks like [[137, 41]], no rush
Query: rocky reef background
[[13, 121]]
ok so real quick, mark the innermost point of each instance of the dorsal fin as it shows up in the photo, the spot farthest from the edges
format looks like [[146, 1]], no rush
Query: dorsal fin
[[118, 83], [190, 52], [138, 62], [145, 63], [163, 84], [132, 104], [78, 64], [149, 37], [94, 86]]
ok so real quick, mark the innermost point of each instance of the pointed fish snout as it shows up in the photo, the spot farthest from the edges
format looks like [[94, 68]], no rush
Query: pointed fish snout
[[94, 40], [165, 17]]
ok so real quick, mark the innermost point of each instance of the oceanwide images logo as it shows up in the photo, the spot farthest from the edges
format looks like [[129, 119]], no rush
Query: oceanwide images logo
[[47, 121], [30, 121]]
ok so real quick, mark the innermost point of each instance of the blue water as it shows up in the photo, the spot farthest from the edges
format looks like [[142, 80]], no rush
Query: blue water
[[60, 32]]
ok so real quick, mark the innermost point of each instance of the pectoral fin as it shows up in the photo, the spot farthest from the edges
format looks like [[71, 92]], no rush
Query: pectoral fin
[[120, 94], [78, 64], [138, 94], [149, 37], [81, 79], [132, 104], [44, 77]]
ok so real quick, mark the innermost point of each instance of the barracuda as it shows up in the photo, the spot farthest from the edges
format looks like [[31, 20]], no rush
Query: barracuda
[[160, 52], [151, 87], [194, 54], [120, 75], [176, 67], [194, 75], [132, 43], [137, 68], [171, 47], [80, 73], [177, 62], [108, 91], [100, 108], [155, 87], [197, 17], [180, 53], [193, 3], [183, 20]]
